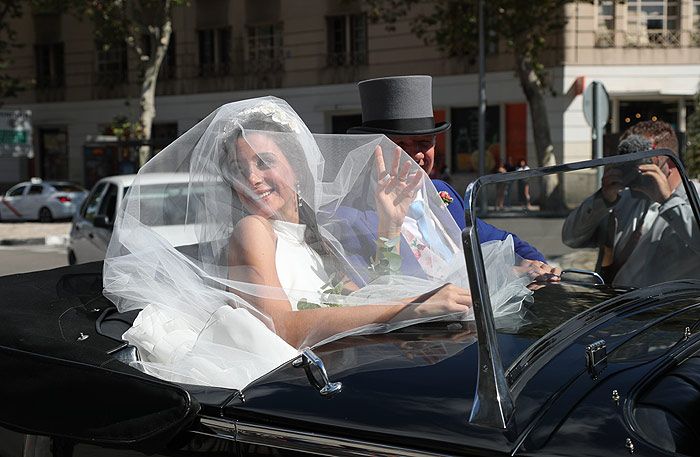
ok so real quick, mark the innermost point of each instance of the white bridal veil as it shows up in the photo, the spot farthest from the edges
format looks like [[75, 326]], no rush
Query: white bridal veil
[[272, 244]]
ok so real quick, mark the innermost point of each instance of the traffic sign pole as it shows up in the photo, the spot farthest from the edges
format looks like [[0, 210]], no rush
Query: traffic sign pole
[[596, 110]]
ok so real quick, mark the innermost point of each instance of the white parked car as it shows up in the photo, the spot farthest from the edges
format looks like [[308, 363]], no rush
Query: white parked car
[[40, 200], [92, 225]]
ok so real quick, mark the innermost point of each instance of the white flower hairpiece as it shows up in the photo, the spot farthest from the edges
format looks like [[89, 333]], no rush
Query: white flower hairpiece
[[273, 112]]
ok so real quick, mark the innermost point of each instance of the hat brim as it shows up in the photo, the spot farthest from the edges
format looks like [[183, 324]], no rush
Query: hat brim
[[439, 127]]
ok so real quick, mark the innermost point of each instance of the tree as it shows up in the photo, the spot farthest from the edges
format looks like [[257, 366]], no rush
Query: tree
[[145, 26], [9, 10], [692, 153], [526, 28]]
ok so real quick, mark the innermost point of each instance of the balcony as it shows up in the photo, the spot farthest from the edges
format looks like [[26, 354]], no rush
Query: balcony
[[50, 89], [346, 59], [605, 39], [265, 72], [653, 39]]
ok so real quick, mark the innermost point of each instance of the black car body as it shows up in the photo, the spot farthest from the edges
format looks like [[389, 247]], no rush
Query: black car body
[[585, 369]]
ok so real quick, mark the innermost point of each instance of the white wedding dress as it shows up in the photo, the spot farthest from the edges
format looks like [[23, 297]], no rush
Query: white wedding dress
[[299, 268], [173, 350], [199, 324]]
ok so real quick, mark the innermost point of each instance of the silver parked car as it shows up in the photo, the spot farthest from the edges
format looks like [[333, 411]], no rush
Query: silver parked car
[[40, 200], [92, 225]]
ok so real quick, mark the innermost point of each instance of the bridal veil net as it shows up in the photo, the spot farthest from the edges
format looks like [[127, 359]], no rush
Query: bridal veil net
[[251, 173]]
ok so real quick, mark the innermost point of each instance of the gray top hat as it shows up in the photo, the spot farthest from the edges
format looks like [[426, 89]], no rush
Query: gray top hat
[[398, 105]]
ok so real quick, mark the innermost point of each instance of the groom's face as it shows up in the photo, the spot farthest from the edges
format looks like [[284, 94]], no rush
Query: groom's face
[[420, 147]]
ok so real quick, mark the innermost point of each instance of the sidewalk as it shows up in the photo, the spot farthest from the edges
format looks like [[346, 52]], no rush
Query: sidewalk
[[24, 233]]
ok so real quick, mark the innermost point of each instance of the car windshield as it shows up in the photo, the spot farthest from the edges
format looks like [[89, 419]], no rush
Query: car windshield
[[68, 187], [638, 231], [172, 203]]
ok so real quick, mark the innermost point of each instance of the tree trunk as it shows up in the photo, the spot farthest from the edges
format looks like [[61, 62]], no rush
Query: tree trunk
[[148, 88], [551, 194]]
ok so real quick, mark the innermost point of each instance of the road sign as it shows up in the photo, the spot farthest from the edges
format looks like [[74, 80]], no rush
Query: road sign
[[596, 105], [16, 134]]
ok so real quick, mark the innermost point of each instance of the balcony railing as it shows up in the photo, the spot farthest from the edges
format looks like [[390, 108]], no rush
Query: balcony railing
[[346, 59], [264, 72], [605, 39], [653, 39], [695, 39]]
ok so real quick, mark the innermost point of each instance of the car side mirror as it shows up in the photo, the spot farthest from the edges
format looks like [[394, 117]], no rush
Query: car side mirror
[[103, 221]]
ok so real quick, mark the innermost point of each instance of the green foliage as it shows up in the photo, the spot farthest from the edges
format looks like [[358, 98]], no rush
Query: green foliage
[[9, 10], [692, 153], [526, 28], [124, 129], [137, 23]]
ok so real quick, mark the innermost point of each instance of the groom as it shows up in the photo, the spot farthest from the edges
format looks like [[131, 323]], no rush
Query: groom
[[401, 108]]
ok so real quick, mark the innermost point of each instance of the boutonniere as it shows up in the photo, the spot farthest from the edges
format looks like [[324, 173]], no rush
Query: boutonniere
[[446, 197]]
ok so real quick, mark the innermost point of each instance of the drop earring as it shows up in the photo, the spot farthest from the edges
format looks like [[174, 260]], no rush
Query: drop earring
[[298, 194]]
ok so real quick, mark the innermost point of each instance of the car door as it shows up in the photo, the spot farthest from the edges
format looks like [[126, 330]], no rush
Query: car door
[[12, 204], [34, 200], [108, 207], [83, 234]]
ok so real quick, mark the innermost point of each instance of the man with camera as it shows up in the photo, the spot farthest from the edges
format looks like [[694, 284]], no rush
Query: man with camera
[[640, 218]]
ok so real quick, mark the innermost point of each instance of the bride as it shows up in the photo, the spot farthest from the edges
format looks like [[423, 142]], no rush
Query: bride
[[274, 267]]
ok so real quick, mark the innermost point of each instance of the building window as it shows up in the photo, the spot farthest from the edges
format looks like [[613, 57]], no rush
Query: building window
[[265, 51], [49, 65], [695, 33], [112, 65], [347, 40], [53, 153], [653, 23], [465, 134], [168, 66], [214, 51], [605, 27]]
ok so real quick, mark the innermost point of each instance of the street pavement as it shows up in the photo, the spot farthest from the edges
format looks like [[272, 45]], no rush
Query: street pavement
[[22, 259], [27, 246]]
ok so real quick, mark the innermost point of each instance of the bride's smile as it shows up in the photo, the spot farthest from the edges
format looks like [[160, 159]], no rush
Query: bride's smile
[[267, 178]]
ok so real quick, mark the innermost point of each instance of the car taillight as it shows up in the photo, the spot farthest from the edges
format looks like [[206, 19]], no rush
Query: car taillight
[[64, 199]]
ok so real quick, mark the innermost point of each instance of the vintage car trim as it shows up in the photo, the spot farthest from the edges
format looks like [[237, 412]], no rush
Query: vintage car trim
[[542, 352], [493, 400], [295, 440], [493, 404]]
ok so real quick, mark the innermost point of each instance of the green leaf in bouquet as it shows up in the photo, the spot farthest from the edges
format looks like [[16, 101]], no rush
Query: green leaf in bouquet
[[305, 304]]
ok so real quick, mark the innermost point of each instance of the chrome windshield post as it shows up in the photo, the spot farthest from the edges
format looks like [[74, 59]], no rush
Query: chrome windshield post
[[493, 405]]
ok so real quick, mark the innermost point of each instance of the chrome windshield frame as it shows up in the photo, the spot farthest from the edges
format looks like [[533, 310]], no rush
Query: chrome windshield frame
[[493, 404]]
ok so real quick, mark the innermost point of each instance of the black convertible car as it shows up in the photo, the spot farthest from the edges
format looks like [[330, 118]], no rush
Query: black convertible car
[[585, 368]]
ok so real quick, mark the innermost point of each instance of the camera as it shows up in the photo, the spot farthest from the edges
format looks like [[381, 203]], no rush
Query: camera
[[631, 176]]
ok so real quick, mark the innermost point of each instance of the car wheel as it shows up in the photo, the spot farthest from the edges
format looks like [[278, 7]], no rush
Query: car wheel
[[45, 215], [71, 258]]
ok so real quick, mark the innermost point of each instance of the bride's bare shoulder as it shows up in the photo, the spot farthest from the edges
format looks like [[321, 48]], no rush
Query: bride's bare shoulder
[[253, 231]]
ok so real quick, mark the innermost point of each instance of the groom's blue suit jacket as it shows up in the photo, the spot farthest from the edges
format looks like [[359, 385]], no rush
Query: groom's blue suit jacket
[[359, 229], [487, 232]]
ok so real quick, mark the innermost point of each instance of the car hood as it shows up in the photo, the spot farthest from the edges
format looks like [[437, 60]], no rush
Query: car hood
[[416, 387], [60, 375]]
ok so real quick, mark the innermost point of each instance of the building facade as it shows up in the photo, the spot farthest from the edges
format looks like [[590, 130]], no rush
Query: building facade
[[312, 53]]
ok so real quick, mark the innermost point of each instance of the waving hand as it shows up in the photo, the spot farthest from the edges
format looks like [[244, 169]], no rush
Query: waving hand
[[396, 190]]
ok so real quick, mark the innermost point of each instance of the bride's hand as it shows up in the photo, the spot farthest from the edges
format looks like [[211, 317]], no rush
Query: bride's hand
[[396, 190], [443, 301]]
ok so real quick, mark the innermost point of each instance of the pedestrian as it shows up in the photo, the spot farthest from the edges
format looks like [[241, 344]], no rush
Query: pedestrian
[[524, 190]]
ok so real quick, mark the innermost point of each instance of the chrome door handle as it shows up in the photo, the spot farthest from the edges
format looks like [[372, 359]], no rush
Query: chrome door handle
[[306, 360]]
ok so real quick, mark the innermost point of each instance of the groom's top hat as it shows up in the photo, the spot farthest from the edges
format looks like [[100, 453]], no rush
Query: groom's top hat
[[398, 105]]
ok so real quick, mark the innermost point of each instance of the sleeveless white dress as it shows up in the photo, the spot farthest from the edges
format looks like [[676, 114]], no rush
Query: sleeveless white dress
[[299, 268], [245, 347]]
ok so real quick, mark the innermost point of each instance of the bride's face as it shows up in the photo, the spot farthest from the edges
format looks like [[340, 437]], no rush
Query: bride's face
[[267, 181]]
